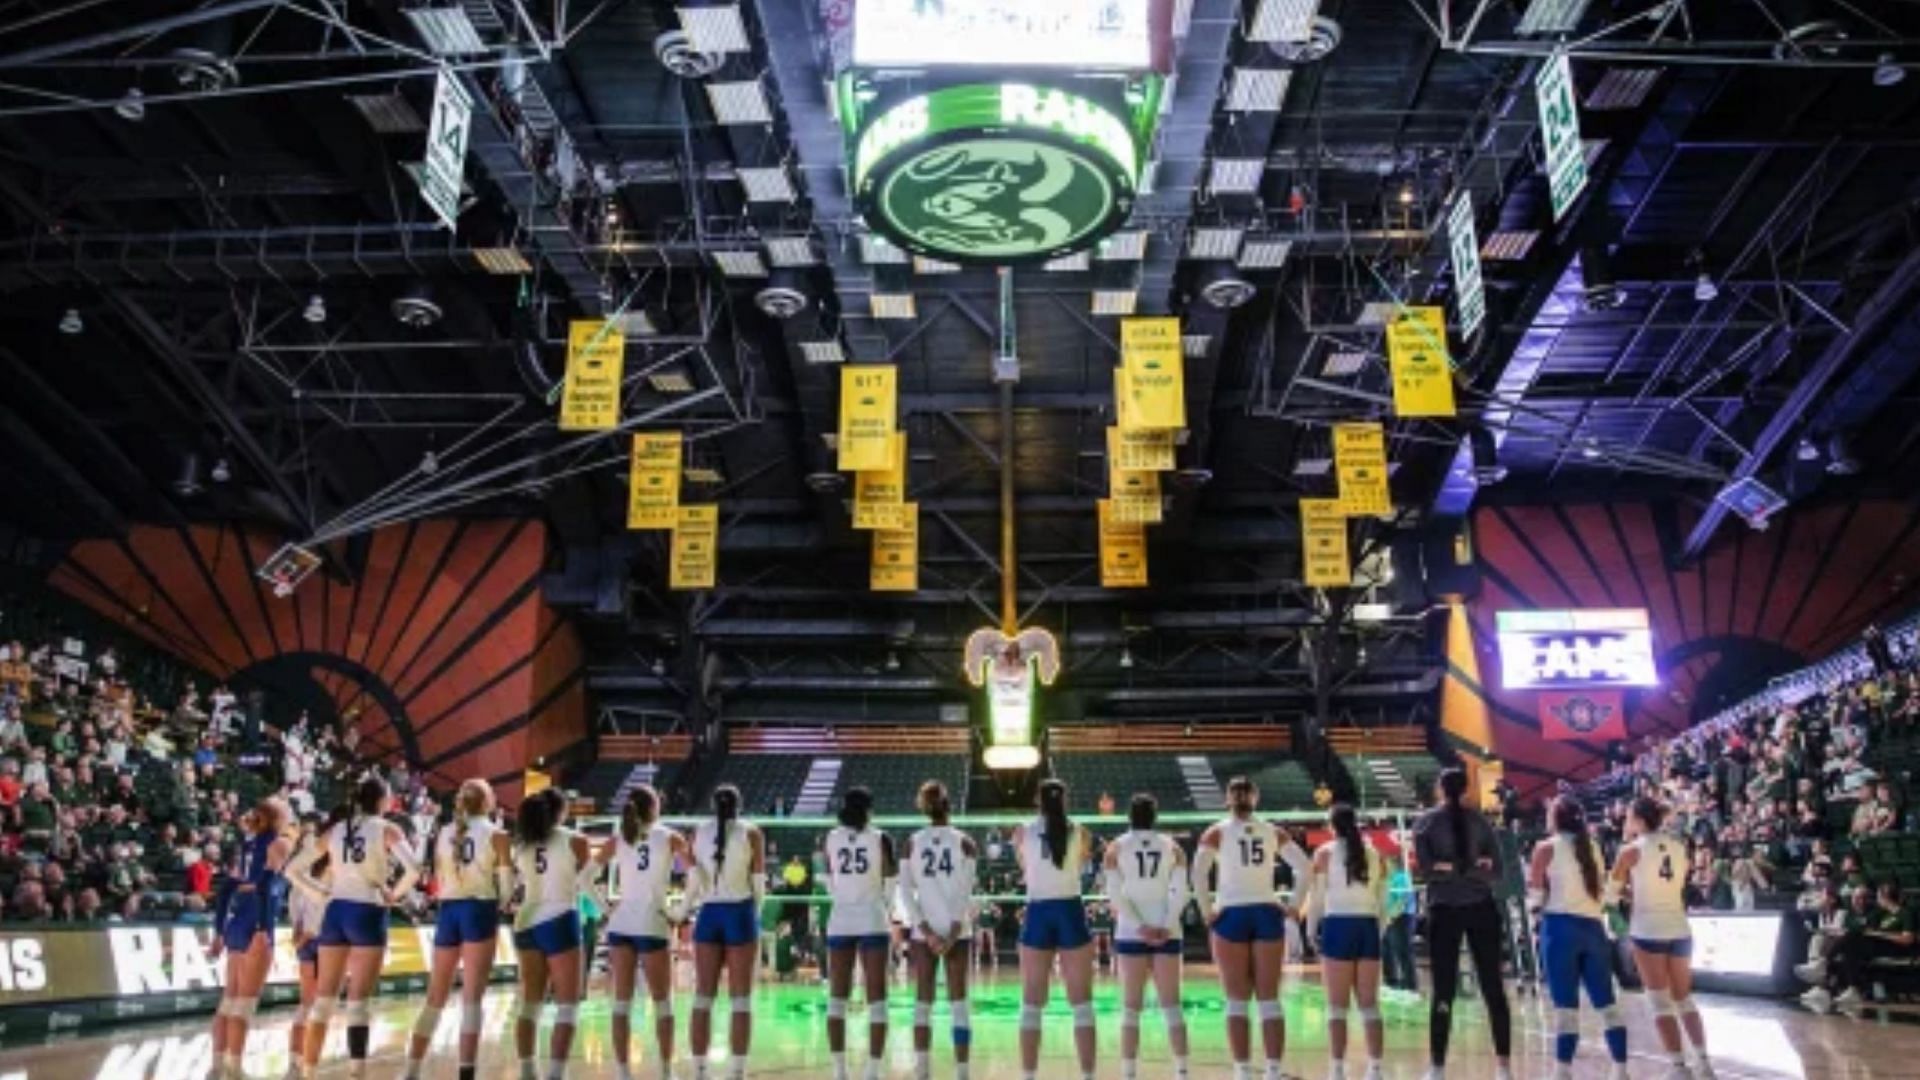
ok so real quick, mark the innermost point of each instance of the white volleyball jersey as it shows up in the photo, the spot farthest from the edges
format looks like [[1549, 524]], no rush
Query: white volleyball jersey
[[941, 875], [357, 851], [303, 910], [855, 882], [1566, 889], [1659, 881], [1346, 896], [549, 879], [1147, 863], [732, 880], [1243, 870], [1046, 881], [643, 869], [464, 861]]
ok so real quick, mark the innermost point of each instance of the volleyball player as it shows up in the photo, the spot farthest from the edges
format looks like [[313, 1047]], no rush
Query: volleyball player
[[551, 866], [472, 868], [1349, 893], [936, 893], [1248, 925], [1653, 868], [730, 874], [1052, 851], [1147, 884], [353, 930], [643, 854], [1458, 855], [304, 911], [1563, 881], [245, 933], [860, 872]]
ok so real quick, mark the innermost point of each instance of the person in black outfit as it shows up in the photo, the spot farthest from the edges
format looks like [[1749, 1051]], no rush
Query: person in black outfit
[[1458, 855]]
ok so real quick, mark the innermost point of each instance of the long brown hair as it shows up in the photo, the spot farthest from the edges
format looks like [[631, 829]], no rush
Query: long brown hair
[[1569, 818], [1346, 826], [934, 802], [1053, 812], [643, 804]]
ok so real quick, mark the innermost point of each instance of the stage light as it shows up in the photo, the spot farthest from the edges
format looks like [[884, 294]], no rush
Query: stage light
[[1126, 658], [1487, 469], [132, 106], [1888, 73], [429, 463], [1601, 292], [222, 471], [1223, 287], [71, 323], [316, 309], [1704, 290], [893, 660], [1805, 450]]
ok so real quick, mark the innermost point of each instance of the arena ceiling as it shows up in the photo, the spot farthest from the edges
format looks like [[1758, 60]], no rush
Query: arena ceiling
[[208, 298]]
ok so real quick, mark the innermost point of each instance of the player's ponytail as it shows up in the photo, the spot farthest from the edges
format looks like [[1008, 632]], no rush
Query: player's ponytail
[[643, 803], [1570, 819], [474, 800], [934, 802], [1453, 789], [538, 816], [1649, 812], [1053, 812], [1346, 826], [1144, 811], [856, 808], [726, 807]]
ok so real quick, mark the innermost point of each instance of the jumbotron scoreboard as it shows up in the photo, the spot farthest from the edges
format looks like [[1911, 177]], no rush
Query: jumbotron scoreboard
[[1001, 132]]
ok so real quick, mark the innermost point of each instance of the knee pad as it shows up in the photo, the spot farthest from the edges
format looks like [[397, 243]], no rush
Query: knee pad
[[702, 1003], [225, 1008], [1129, 1017], [1236, 1007], [1173, 1016], [470, 1016], [1614, 1016], [426, 1023], [1661, 1002], [663, 1008], [742, 1006], [622, 1008], [876, 1012], [1083, 1015], [1369, 1014], [322, 1013], [1566, 1021], [836, 1008], [1336, 1012], [1685, 1006], [1030, 1017], [1271, 1010], [564, 1014], [359, 1013], [300, 1014], [962, 1014], [244, 1008], [528, 1011], [922, 1014]]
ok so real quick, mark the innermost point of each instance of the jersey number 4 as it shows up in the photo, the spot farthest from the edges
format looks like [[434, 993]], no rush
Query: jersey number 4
[[933, 862], [1666, 866], [853, 861]]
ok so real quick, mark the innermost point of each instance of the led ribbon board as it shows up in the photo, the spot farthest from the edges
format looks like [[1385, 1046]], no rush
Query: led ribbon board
[[995, 172], [1564, 649]]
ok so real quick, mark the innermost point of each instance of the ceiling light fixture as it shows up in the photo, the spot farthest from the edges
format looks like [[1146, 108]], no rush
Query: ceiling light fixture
[[222, 471], [1126, 658], [316, 309], [1487, 469], [1806, 449], [132, 106], [71, 323], [1887, 72], [1600, 292], [1704, 290]]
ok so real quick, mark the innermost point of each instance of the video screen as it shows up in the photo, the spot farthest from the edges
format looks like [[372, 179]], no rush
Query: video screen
[[1107, 34], [1735, 944]]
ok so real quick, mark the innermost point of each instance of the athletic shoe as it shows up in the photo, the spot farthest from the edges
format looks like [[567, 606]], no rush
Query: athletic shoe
[[1703, 1069], [1338, 1071], [1678, 1071], [1847, 997], [1618, 1071], [1814, 971], [1373, 1071], [1818, 999], [1501, 1072], [1434, 1072], [1561, 1072]]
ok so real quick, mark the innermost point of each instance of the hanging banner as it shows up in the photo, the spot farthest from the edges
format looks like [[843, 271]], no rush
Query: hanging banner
[[896, 555], [1155, 383], [1469, 289], [596, 364], [1560, 133], [1123, 551], [1422, 371], [1583, 714], [1135, 497], [879, 495], [653, 484], [694, 561], [1139, 451], [1360, 463], [446, 157], [1123, 400], [1323, 542], [868, 404]]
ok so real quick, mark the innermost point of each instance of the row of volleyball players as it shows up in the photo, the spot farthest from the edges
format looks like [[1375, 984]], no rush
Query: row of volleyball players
[[1149, 885]]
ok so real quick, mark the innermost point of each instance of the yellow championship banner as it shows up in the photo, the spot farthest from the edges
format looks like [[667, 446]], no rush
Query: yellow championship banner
[[880, 495], [653, 481], [1135, 497], [1422, 371], [1323, 542], [1139, 450], [1154, 381], [596, 363], [1123, 551], [896, 555], [868, 403], [695, 559], [1360, 461]]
